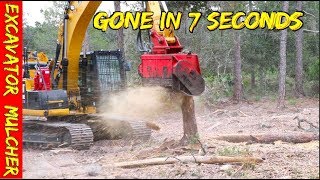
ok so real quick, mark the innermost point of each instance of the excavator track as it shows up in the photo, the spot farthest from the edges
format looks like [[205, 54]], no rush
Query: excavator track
[[140, 130], [118, 127], [80, 136], [57, 134]]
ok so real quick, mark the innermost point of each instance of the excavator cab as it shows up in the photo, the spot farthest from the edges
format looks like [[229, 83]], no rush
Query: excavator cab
[[100, 74]]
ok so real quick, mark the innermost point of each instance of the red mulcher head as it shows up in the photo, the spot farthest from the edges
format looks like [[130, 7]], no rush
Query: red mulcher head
[[167, 66]]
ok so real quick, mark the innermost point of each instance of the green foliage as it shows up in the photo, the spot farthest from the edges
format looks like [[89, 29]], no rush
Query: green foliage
[[217, 88], [189, 6], [292, 101], [102, 40], [313, 70], [194, 139], [43, 36], [54, 14], [232, 151]]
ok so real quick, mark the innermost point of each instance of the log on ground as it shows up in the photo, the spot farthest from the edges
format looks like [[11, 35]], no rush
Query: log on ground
[[269, 138], [187, 159]]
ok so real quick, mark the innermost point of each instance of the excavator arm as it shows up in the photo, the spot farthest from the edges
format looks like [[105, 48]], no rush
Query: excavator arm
[[77, 17]]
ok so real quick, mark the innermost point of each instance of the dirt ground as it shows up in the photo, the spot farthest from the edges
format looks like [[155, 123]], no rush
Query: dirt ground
[[281, 159]]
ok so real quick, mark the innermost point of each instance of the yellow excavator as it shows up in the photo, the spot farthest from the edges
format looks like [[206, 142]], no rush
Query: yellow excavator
[[62, 96]]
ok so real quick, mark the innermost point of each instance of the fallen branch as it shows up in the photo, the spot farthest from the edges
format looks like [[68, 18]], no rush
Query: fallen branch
[[204, 151], [312, 127], [186, 159], [216, 125], [269, 138], [237, 171], [313, 31], [308, 13], [243, 113], [218, 110]]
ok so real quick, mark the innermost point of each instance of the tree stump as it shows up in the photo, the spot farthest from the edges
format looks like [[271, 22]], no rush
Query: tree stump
[[190, 128]]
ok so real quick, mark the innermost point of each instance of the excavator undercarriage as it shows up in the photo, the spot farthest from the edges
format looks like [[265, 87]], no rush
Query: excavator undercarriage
[[79, 134], [57, 134]]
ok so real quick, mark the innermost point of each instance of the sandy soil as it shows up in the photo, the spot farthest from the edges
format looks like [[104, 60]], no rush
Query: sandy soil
[[282, 160]]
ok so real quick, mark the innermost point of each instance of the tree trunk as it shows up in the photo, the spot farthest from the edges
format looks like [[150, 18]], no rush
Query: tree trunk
[[253, 77], [282, 64], [237, 93], [262, 80], [120, 45], [190, 128], [120, 34], [299, 65], [184, 24], [86, 43]]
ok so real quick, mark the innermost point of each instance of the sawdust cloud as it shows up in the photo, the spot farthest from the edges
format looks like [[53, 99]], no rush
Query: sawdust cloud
[[133, 104], [140, 102], [144, 104]]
